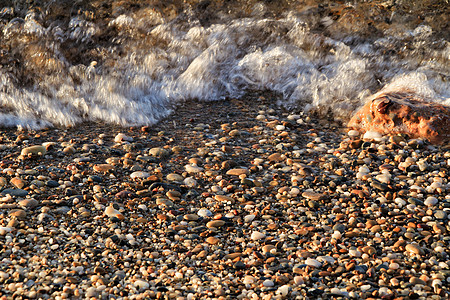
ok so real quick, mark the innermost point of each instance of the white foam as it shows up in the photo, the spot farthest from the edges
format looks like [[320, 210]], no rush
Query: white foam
[[172, 62]]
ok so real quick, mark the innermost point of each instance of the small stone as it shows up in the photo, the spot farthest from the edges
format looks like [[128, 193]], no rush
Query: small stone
[[440, 214], [203, 212], [431, 201], [18, 182], [267, 248], [159, 152], [276, 157], [110, 211], [175, 177], [224, 198], [215, 223], [139, 174], [120, 137], [237, 172], [141, 284], [414, 248], [353, 133], [372, 135], [256, 235], [193, 169], [103, 168], [191, 217], [313, 263], [268, 283], [34, 150], [18, 213], [249, 218], [313, 196], [369, 250], [212, 240], [29, 203], [15, 192]]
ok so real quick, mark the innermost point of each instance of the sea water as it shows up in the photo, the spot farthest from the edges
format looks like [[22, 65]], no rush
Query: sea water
[[63, 64]]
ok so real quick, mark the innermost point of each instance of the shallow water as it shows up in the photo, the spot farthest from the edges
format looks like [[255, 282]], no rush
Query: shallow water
[[131, 63]]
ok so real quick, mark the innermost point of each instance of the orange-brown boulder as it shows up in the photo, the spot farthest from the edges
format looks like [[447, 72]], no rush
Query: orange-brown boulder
[[393, 113]]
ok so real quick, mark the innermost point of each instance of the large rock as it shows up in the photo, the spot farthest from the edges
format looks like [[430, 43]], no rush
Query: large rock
[[392, 113]]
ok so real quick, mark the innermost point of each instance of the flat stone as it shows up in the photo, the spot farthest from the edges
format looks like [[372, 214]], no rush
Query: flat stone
[[18, 182], [34, 150], [212, 240], [237, 172], [313, 196], [15, 192], [29, 203], [103, 168], [120, 137], [276, 157], [193, 169], [18, 213], [414, 248], [174, 177], [139, 174], [256, 235], [224, 198], [159, 152], [191, 217], [313, 263], [215, 223], [110, 211]]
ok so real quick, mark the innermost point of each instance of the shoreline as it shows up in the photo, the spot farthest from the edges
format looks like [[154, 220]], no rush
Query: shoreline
[[226, 200]]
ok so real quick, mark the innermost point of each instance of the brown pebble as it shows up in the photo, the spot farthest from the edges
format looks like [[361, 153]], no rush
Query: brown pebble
[[414, 248], [18, 213], [215, 223], [237, 172], [18, 182], [212, 240]]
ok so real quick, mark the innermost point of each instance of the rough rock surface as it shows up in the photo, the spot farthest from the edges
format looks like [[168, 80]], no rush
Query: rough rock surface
[[392, 113]]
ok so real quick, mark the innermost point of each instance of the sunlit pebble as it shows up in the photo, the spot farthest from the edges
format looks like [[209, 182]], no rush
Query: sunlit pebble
[[431, 201], [354, 253], [249, 218], [313, 263], [268, 283], [353, 133], [203, 212], [372, 135], [394, 266], [336, 235], [298, 280], [256, 235]]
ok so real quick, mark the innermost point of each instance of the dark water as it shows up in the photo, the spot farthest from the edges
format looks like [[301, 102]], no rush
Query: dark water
[[133, 62]]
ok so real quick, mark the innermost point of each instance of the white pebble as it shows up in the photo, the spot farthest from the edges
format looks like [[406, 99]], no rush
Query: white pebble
[[268, 283], [141, 284], [139, 174], [298, 280], [353, 133], [336, 291], [203, 212], [193, 169], [256, 235], [249, 218], [431, 201], [283, 290], [372, 135], [122, 137], [313, 263]]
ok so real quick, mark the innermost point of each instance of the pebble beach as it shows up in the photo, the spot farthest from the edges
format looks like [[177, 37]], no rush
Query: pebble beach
[[224, 200]]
